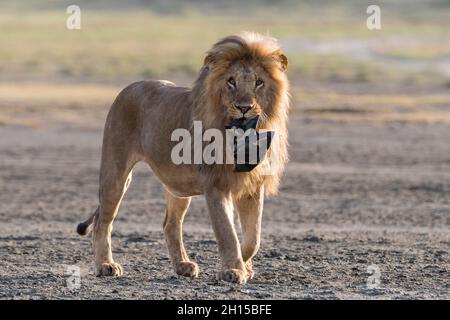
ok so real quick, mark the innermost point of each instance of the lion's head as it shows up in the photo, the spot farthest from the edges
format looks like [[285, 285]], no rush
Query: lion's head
[[244, 76]]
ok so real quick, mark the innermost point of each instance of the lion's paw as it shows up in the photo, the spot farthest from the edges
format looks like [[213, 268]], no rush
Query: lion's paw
[[110, 269], [187, 269], [249, 268], [233, 275]]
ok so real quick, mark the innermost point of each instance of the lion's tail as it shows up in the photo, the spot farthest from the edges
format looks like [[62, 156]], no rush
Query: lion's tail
[[83, 227]]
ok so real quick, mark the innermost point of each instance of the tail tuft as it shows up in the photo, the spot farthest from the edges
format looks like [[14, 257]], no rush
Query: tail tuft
[[83, 227]]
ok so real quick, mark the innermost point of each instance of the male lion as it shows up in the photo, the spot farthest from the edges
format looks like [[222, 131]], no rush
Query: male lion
[[242, 76]]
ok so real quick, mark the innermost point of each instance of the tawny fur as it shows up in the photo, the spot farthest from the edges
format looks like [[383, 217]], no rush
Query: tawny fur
[[139, 127]]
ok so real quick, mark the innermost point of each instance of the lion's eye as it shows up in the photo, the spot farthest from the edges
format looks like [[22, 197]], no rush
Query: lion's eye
[[231, 83], [259, 83]]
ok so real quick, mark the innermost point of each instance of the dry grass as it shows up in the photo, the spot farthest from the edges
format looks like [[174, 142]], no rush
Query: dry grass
[[46, 93], [331, 105], [130, 43], [431, 50], [41, 105]]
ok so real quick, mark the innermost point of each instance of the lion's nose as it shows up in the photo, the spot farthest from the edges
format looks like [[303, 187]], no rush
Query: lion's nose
[[243, 108]]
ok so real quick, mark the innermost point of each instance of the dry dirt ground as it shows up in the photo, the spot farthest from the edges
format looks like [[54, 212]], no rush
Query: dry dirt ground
[[355, 195]]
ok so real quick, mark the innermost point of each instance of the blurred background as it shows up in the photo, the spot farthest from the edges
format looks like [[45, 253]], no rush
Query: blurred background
[[368, 182], [328, 44]]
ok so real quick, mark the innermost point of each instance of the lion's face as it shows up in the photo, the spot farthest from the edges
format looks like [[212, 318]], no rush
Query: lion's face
[[244, 77], [245, 91]]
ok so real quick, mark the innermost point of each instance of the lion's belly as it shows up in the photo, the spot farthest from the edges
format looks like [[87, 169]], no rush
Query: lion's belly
[[181, 180]]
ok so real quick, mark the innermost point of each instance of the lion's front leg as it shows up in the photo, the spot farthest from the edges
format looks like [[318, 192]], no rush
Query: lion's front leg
[[221, 211], [250, 210]]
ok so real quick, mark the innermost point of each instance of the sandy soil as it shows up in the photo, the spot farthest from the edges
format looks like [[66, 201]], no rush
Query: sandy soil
[[354, 195]]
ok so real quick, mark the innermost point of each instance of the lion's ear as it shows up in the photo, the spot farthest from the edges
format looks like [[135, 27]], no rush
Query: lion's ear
[[284, 62], [282, 59], [208, 59]]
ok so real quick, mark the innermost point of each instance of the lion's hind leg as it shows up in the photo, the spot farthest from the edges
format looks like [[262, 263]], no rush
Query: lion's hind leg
[[173, 233], [115, 177]]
